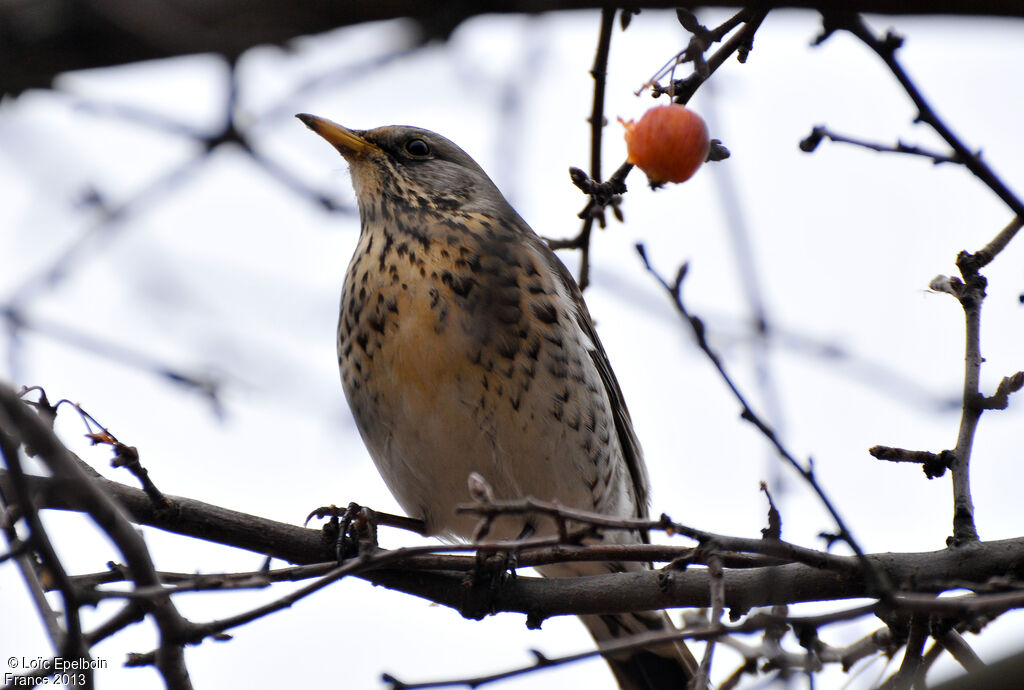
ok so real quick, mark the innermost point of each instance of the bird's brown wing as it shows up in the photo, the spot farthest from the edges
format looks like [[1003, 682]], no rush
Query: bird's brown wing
[[631, 450]]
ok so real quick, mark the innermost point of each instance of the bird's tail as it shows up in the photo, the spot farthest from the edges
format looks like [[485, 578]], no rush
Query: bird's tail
[[663, 667], [667, 666]]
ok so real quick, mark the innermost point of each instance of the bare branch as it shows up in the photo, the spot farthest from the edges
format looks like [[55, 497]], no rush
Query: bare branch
[[971, 290], [820, 132], [970, 296], [746, 587], [697, 326], [981, 258], [910, 670], [1000, 400], [593, 209], [933, 464], [19, 422], [608, 194], [954, 643], [69, 640], [682, 90], [638, 641], [886, 49]]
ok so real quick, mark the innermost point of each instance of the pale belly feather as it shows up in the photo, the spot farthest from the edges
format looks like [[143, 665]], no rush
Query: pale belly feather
[[437, 394]]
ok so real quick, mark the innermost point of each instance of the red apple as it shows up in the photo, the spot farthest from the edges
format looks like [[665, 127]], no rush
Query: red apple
[[669, 143]]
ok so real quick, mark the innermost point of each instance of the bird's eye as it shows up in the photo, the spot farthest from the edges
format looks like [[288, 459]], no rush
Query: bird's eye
[[417, 148]]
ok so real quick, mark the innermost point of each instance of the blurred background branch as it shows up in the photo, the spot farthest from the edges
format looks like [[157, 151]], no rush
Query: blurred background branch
[[39, 40]]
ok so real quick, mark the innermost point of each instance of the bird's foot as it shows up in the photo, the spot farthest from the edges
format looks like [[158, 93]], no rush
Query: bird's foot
[[495, 567], [350, 529], [492, 569]]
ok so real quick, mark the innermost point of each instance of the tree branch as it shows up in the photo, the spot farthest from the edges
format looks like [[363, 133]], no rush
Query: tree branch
[[886, 49], [880, 587], [18, 422], [745, 588]]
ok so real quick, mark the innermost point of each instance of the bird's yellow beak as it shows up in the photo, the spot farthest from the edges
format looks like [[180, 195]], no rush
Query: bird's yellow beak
[[347, 142]]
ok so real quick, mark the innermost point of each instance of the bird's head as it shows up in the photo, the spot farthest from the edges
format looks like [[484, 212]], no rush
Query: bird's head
[[408, 166]]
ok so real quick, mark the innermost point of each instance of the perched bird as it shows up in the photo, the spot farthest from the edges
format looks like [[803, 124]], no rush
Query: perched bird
[[465, 346]]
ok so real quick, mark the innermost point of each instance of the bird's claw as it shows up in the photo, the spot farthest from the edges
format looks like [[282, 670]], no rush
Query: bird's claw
[[492, 569], [350, 528]]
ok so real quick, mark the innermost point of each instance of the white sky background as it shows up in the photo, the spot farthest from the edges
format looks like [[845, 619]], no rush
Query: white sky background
[[234, 274]]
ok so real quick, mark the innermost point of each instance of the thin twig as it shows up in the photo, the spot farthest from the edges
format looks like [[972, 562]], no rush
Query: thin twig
[[820, 132], [109, 516], [69, 641], [954, 643], [717, 596], [981, 258], [933, 464], [760, 327], [1009, 385], [702, 39], [26, 562], [132, 612], [597, 123], [769, 547], [886, 49], [818, 574], [971, 296], [684, 89], [198, 582], [913, 660], [607, 194], [970, 292], [124, 455], [877, 578], [638, 641]]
